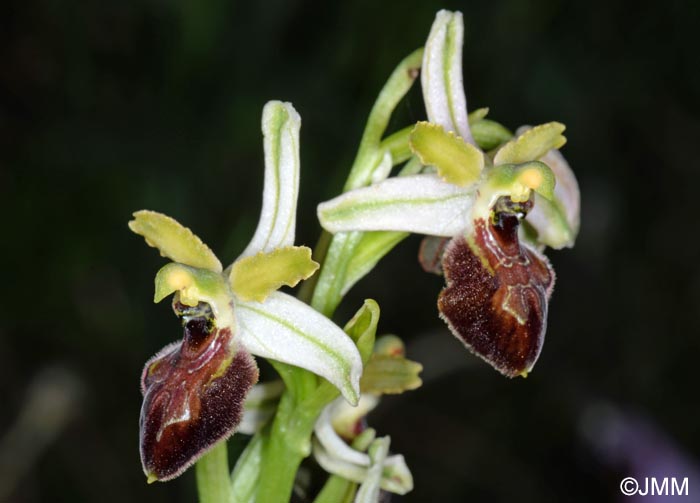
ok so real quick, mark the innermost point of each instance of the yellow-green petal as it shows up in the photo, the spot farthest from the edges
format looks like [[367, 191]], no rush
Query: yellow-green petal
[[457, 162], [532, 144], [256, 276], [174, 240]]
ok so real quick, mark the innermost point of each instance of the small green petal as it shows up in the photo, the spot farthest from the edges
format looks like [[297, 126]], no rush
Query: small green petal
[[385, 374], [532, 144], [174, 240], [255, 277], [457, 162]]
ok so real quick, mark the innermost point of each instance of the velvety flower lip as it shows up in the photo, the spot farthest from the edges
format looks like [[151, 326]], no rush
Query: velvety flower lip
[[486, 215], [194, 389], [497, 293], [186, 387]]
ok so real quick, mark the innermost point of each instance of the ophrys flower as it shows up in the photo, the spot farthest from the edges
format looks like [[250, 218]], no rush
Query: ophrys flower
[[194, 389]]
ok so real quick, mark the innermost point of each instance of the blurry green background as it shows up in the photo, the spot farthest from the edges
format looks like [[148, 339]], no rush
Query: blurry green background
[[111, 107]]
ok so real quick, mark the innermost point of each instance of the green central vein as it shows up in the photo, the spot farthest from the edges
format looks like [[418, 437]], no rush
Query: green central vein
[[356, 207]]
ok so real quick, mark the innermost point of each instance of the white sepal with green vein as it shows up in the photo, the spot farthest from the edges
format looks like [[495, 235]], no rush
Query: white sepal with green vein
[[441, 76], [423, 204], [285, 329], [277, 224]]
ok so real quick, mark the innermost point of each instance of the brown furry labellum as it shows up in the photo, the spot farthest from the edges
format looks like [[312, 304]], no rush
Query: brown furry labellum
[[193, 394], [497, 292]]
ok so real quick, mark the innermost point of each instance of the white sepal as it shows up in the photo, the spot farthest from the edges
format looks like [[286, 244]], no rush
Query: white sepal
[[423, 204], [441, 75], [557, 222], [276, 227], [285, 329]]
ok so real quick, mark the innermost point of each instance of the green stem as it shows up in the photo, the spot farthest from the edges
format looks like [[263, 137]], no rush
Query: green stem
[[331, 280], [213, 477], [288, 444], [289, 440], [337, 490]]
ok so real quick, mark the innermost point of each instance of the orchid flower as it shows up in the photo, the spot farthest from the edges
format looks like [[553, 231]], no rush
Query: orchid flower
[[194, 389], [498, 281]]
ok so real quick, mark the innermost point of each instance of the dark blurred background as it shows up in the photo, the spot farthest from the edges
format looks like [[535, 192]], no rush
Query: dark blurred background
[[111, 107]]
